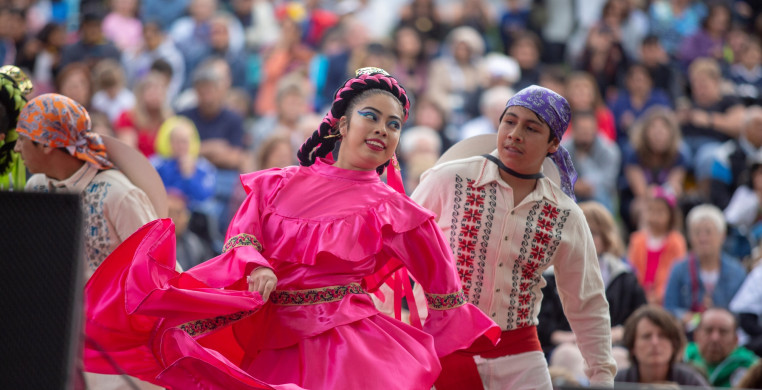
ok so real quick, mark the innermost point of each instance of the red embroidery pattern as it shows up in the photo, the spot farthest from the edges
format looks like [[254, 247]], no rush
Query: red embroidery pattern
[[446, 301], [470, 224], [522, 314], [314, 296], [242, 239], [530, 270], [549, 211], [199, 327], [541, 237]]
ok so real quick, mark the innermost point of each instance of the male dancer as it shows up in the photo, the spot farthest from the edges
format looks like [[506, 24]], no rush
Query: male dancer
[[506, 224]]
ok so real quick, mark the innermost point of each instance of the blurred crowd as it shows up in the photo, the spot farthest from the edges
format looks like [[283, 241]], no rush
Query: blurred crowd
[[666, 130]]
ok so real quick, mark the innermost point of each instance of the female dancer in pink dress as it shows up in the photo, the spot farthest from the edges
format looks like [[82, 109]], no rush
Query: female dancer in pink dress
[[286, 305]]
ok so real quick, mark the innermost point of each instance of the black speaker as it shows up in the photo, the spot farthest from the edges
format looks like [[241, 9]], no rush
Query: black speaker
[[41, 283]]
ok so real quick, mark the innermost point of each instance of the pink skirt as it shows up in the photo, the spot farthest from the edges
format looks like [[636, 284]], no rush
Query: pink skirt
[[169, 329]]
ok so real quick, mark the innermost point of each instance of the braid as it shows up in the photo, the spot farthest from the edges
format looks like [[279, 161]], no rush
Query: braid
[[323, 140], [6, 157], [12, 100]]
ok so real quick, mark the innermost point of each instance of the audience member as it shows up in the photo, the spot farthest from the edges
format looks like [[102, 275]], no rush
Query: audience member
[[455, 78], [111, 95], [156, 45], [122, 26], [638, 95], [52, 40], [658, 244], [191, 249], [708, 118], [657, 61], [412, 65], [744, 213], [491, 105], [427, 112], [746, 74], [92, 44], [74, 81], [674, 20], [513, 21], [603, 57], [656, 341], [178, 163], [526, 49], [291, 105], [424, 16], [220, 129], [709, 40], [220, 45], [501, 70], [287, 55], [343, 45], [275, 151], [653, 157], [715, 351], [583, 94], [558, 26], [733, 159], [475, 14], [191, 33], [596, 160], [417, 141], [707, 277], [138, 126]]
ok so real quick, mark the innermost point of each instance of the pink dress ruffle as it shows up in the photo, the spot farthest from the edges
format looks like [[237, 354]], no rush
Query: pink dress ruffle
[[318, 226]]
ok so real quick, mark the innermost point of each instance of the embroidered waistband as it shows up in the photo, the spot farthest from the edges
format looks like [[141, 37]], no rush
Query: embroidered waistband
[[314, 295], [242, 239], [445, 301], [199, 327]]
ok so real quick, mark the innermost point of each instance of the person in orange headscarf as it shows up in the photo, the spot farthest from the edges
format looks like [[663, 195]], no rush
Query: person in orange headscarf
[[63, 153]]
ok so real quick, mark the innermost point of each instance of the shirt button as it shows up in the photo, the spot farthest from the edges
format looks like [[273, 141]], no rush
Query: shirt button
[[497, 290], [500, 264], [505, 238], [513, 212], [494, 314]]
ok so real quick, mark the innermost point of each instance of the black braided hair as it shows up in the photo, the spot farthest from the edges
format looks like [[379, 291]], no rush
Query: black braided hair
[[11, 103], [323, 140]]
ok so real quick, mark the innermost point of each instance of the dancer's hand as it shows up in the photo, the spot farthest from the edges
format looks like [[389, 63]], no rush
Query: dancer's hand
[[263, 281]]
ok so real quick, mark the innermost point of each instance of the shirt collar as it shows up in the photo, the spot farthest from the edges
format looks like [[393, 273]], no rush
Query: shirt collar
[[489, 172], [75, 183]]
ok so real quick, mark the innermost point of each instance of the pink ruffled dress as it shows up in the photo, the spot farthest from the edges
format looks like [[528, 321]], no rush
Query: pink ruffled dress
[[330, 235]]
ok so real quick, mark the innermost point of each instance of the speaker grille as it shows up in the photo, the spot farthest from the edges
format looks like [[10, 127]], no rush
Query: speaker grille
[[41, 280]]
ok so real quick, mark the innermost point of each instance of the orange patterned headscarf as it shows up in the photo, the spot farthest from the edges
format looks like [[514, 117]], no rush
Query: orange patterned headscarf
[[58, 121]]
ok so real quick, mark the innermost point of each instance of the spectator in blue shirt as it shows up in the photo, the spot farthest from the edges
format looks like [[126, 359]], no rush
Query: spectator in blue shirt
[[178, 162], [707, 277]]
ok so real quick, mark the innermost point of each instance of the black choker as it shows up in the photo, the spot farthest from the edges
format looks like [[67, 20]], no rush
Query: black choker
[[510, 171]]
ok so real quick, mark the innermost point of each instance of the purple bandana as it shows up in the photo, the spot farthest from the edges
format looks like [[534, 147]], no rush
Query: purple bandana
[[555, 111]]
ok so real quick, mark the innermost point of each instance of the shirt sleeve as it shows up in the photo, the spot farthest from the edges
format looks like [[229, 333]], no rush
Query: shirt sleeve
[[582, 294]]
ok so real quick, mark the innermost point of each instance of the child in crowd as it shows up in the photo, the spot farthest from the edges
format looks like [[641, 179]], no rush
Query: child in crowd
[[658, 244], [111, 96]]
